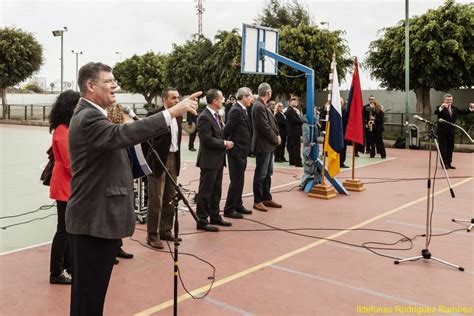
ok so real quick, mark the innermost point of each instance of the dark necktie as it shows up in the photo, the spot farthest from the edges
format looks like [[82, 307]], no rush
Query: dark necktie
[[218, 119]]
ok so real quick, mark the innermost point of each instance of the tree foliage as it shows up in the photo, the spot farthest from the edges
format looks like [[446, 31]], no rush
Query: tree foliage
[[187, 66], [441, 52], [20, 57], [277, 14], [312, 47], [143, 74]]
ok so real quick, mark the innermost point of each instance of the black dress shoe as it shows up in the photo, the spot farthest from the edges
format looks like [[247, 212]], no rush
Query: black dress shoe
[[451, 167], [220, 222], [123, 254], [192, 149], [233, 214], [63, 278], [207, 228], [243, 210]]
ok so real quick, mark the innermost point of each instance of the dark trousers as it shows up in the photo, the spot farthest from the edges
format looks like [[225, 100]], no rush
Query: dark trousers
[[60, 251], [237, 166], [446, 145], [93, 260], [342, 155], [209, 195], [192, 137], [160, 196], [294, 149], [262, 179], [377, 142], [280, 149]]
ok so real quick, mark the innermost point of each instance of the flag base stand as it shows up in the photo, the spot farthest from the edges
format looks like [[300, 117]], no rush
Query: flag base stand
[[322, 191], [354, 185]]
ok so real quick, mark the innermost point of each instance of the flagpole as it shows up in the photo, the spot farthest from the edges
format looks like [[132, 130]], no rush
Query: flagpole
[[354, 152], [326, 141], [323, 190]]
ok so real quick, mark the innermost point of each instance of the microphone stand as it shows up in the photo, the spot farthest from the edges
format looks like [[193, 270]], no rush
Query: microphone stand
[[177, 197], [472, 141], [425, 253]]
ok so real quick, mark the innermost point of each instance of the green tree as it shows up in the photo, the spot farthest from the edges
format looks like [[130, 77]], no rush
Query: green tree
[[312, 47], [277, 14], [225, 61], [20, 57], [33, 87], [187, 67], [441, 53], [143, 74]]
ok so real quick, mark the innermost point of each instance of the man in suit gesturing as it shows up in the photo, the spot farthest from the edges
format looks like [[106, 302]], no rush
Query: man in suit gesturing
[[445, 132], [100, 208], [211, 160], [265, 138], [238, 130]]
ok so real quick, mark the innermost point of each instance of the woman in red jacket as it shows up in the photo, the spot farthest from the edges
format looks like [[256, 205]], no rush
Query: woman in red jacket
[[60, 187]]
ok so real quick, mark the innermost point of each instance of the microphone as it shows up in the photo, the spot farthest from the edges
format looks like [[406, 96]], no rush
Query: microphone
[[444, 121], [127, 110], [419, 118]]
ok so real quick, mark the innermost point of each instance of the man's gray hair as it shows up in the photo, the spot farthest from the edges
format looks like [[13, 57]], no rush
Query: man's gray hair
[[243, 92], [447, 95], [263, 88]]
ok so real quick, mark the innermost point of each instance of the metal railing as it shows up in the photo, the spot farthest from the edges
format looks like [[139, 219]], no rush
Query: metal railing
[[40, 112]]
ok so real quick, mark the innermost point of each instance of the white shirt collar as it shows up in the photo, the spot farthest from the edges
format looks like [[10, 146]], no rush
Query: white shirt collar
[[243, 106], [97, 107], [213, 112]]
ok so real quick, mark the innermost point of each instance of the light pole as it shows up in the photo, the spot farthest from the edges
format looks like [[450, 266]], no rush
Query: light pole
[[120, 55], [325, 22], [77, 63], [57, 33]]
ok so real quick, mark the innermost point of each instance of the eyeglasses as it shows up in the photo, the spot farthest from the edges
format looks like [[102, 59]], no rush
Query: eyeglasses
[[108, 81]]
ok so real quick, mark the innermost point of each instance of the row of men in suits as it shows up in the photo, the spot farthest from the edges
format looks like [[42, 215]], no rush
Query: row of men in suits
[[238, 137]]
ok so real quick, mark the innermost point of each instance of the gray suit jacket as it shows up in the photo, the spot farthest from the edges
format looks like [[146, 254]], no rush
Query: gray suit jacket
[[101, 200], [265, 129]]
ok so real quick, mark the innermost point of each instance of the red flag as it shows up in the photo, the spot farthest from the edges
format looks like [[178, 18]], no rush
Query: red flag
[[355, 123]]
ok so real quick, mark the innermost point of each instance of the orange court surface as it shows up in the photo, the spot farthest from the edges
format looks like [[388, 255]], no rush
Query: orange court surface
[[311, 257]]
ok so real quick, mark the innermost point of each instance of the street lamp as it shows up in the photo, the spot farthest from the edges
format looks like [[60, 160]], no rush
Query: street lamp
[[120, 55], [77, 63], [325, 22], [60, 33]]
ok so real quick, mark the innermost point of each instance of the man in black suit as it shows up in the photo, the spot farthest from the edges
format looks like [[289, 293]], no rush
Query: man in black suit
[[160, 188], [100, 209], [294, 132], [239, 131], [445, 132], [211, 160], [191, 118], [265, 138]]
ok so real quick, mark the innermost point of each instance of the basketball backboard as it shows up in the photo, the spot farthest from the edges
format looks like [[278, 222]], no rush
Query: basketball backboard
[[255, 37]]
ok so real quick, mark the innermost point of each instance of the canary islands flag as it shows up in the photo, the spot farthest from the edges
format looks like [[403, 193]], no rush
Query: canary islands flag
[[334, 142]]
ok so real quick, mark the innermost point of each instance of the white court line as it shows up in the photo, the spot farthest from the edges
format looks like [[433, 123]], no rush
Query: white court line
[[228, 306], [346, 285], [26, 248]]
